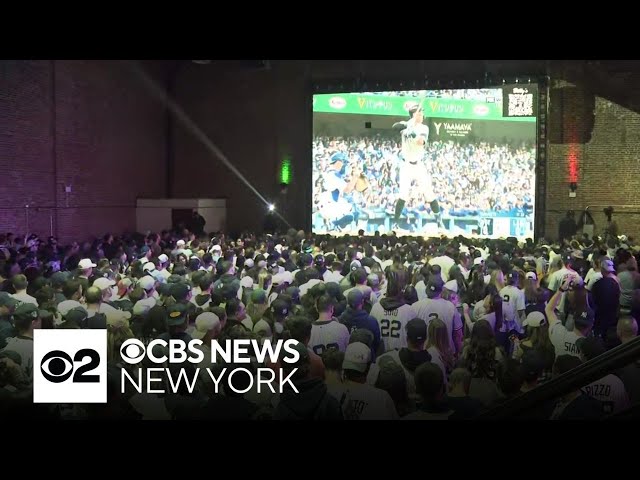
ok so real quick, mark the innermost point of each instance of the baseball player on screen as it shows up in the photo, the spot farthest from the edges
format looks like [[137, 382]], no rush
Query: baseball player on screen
[[335, 206], [415, 136]]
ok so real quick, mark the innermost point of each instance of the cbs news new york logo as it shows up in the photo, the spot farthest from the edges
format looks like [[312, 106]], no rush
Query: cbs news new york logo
[[70, 366]]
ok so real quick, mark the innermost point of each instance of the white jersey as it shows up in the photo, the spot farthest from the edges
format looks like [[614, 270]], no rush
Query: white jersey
[[564, 341], [592, 277], [393, 325], [421, 290], [445, 263], [328, 334], [363, 402], [513, 299], [443, 309], [610, 391], [412, 151], [330, 276]]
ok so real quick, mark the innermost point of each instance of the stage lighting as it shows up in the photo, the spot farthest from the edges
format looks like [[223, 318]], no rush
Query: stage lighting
[[272, 207]]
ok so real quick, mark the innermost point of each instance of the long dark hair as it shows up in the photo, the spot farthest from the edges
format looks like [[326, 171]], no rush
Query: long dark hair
[[396, 282], [480, 358], [495, 305], [477, 290]]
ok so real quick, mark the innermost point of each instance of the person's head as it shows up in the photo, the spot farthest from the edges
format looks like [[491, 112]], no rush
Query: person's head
[[298, 328], [177, 317], [104, 285], [85, 267], [532, 366], [564, 364], [481, 358], [207, 327], [359, 276], [355, 299], [302, 366], [429, 383], [26, 318], [590, 348], [416, 329], [438, 336], [396, 282], [434, 287], [460, 382], [20, 283], [627, 329], [93, 296], [357, 359], [510, 378], [513, 277], [117, 334], [332, 359], [72, 289], [325, 305], [583, 321], [607, 267], [416, 114]]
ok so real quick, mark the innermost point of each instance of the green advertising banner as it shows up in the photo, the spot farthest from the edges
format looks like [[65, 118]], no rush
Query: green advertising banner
[[398, 106]]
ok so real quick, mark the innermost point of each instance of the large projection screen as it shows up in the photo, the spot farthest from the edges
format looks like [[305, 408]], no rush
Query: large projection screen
[[428, 162]]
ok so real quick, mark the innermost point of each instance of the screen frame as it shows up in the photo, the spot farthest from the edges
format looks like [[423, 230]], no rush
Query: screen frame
[[542, 140]]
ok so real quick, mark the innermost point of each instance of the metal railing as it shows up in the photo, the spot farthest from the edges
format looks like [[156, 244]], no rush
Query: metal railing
[[588, 372]]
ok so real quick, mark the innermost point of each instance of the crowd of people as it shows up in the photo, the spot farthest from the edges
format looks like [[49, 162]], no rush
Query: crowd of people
[[469, 179], [493, 95], [390, 327]]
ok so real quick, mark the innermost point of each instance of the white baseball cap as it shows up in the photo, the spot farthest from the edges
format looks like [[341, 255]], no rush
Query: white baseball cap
[[478, 261], [284, 277], [278, 248], [180, 243], [248, 262], [148, 267], [66, 305], [163, 258], [531, 275], [143, 306], [534, 319], [86, 263], [205, 322], [216, 248], [103, 283], [452, 286], [246, 282], [147, 282], [357, 357]]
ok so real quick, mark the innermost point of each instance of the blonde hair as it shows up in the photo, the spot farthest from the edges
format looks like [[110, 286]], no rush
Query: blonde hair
[[117, 334], [438, 337], [264, 279], [497, 279]]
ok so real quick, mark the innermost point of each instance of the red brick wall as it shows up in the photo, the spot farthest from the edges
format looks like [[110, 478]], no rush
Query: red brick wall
[[608, 162], [90, 125]]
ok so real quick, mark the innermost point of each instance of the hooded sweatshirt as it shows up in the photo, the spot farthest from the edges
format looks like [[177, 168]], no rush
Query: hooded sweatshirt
[[312, 403], [354, 319]]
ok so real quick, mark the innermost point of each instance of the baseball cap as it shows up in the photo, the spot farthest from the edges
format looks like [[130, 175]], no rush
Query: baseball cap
[[163, 258], [607, 266], [434, 286], [164, 289], [262, 329], [279, 307], [147, 282], [176, 314], [216, 248], [86, 263], [478, 261], [584, 319], [6, 300], [76, 315], [148, 267], [246, 282], [284, 277], [357, 357], [373, 279], [180, 243], [577, 254], [173, 278], [103, 283], [355, 265], [534, 319], [26, 310], [259, 296], [416, 330], [205, 322], [362, 335], [248, 263], [531, 276], [58, 279], [180, 291], [452, 286], [143, 306], [66, 305], [355, 297], [390, 375]]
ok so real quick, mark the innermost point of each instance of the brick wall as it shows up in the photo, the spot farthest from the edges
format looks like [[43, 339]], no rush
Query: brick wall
[[607, 163], [90, 125]]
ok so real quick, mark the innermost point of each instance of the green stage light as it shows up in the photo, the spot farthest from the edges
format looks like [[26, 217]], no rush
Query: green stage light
[[285, 172]]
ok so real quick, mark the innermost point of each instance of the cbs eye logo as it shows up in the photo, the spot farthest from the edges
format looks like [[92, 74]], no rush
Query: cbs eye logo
[[57, 366], [70, 366]]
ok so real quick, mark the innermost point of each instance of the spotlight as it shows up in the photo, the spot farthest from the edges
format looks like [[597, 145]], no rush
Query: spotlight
[[272, 207]]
